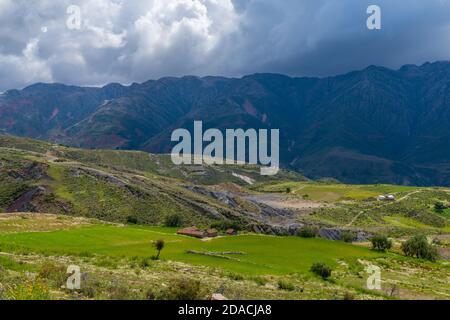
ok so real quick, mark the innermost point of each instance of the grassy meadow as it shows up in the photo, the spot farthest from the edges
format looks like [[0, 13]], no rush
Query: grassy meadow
[[260, 254]]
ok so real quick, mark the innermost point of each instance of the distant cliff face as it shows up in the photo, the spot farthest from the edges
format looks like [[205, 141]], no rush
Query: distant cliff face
[[376, 125]]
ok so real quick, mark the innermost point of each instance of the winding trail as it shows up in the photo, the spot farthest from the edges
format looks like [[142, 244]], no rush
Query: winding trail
[[381, 206]]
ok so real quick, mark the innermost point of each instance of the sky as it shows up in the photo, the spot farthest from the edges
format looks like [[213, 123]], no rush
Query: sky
[[94, 42]]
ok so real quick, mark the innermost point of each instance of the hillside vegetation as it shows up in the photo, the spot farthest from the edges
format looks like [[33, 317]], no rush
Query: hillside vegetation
[[102, 210]]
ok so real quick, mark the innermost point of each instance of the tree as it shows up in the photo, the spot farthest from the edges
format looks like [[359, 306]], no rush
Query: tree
[[173, 221], [381, 243], [159, 245], [419, 247]]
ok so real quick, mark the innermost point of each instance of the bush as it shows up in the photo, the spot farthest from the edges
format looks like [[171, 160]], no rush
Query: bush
[[419, 247], [348, 296], [235, 276], [91, 287], [439, 207], [322, 270], [381, 243], [132, 220], [260, 281], [145, 263], [120, 292], [308, 232], [184, 290], [56, 274], [225, 225], [173, 221], [284, 285], [348, 236]]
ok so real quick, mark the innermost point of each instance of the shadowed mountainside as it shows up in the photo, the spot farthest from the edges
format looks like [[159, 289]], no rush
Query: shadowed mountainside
[[371, 126]]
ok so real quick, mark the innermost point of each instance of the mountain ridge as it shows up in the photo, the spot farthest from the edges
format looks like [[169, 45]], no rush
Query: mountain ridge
[[376, 125]]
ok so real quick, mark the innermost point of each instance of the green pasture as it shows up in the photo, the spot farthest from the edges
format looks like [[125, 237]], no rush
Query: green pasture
[[262, 254], [333, 192]]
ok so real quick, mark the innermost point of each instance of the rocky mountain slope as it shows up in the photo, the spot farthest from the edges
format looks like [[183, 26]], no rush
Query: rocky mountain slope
[[130, 187], [371, 126]]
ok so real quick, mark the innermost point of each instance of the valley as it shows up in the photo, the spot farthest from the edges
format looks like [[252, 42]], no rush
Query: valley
[[103, 210]]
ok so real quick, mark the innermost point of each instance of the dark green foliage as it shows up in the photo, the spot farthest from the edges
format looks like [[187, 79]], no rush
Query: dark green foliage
[[132, 220], [439, 207], [381, 243], [225, 225], [159, 245], [419, 247], [322, 270], [173, 221], [348, 236], [308, 232], [9, 191]]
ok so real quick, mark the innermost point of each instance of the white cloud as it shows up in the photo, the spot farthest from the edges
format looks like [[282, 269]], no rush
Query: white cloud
[[126, 41]]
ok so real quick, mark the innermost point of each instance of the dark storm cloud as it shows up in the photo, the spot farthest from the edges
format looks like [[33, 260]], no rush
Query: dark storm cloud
[[127, 41]]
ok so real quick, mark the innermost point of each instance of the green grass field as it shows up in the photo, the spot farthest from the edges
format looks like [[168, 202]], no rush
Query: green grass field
[[263, 254], [333, 192]]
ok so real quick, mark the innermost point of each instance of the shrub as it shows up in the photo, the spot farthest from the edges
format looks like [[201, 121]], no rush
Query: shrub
[[173, 221], [348, 236], [308, 232], [144, 262], [285, 285], [183, 289], [235, 276], [439, 207], [322, 270], [225, 225], [56, 274], [120, 292], [381, 243], [91, 287], [348, 296], [419, 247], [132, 220], [260, 281]]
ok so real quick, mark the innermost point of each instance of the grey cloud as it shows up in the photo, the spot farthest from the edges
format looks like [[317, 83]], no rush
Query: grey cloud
[[128, 41]]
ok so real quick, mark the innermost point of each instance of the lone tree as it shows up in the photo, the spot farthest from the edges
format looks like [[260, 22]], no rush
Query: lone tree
[[419, 247], [381, 243], [159, 245]]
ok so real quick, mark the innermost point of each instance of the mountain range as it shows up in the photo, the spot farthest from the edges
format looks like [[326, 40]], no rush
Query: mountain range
[[375, 125]]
